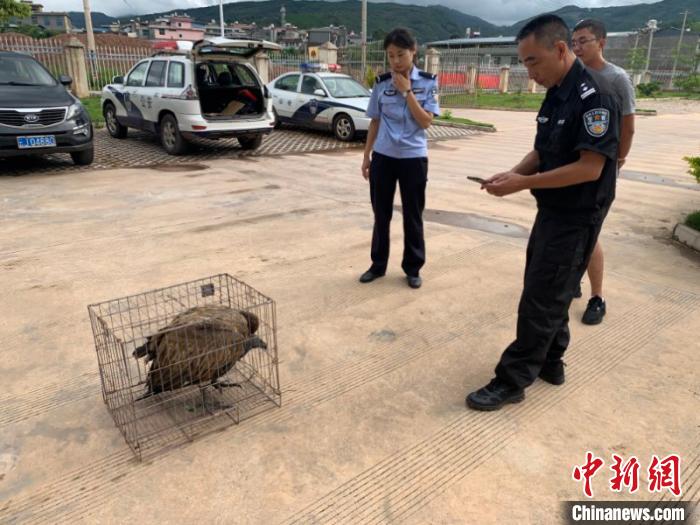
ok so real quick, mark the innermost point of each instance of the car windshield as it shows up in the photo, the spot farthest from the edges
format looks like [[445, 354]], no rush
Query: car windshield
[[21, 71], [343, 87]]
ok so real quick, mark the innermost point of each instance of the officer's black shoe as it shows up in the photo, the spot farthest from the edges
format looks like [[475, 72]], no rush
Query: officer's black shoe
[[414, 281], [370, 276], [595, 311], [553, 372], [577, 292], [495, 395]]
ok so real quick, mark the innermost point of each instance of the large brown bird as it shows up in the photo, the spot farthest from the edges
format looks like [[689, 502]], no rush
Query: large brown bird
[[198, 346]]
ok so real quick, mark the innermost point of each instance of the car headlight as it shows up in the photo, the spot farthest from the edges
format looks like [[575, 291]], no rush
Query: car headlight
[[74, 111]]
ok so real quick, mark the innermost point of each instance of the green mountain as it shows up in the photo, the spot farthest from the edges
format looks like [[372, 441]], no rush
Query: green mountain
[[429, 23], [627, 18], [77, 18]]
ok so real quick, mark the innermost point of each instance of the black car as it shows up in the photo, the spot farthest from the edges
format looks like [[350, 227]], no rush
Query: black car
[[38, 116]]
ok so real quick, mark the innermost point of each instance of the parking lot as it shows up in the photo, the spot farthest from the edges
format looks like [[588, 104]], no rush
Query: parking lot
[[373, 427], [141, 149]]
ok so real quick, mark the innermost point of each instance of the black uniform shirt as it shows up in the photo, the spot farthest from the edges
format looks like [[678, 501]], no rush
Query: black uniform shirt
[[578, 115]]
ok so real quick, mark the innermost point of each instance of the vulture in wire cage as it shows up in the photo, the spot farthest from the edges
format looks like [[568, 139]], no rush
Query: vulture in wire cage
[[199, 346]]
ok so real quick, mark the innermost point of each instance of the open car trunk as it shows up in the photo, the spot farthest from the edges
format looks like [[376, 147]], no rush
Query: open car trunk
[[228, 90]]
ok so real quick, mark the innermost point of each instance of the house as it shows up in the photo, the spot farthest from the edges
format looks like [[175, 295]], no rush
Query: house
[[175, 27]]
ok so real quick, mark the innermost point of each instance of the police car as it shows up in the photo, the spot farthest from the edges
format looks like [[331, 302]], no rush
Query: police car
[[321, 100], [208, 89]]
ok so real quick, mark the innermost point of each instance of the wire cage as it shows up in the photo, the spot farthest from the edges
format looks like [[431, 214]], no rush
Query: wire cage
[[185, 360]]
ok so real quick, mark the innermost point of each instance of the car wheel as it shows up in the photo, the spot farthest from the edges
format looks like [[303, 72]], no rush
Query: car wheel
[[83, 158], [114, 128], [343, 127], [170, 137], [250, 143]]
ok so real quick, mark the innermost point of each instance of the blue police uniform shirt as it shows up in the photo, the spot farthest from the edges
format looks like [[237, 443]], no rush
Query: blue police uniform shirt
[[399, 134]]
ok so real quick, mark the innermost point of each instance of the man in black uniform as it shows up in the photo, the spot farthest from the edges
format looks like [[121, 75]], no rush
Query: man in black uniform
[[571, 173]]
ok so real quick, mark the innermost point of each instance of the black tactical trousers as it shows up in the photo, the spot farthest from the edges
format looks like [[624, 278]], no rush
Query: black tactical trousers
[[412, 176], [557, 257]]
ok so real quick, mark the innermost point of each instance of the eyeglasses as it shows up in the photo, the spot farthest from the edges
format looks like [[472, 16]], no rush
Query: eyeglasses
[[582, 42]]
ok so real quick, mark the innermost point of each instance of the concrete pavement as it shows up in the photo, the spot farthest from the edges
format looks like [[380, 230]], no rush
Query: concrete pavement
[[373, 427]]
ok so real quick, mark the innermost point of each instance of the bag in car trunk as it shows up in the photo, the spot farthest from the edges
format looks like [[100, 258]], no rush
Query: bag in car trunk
[[228, 90]]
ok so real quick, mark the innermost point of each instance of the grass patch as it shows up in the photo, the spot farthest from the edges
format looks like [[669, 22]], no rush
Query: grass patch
[[693, 220], [447, 117], [673, 94], [529, 101], [92, 104]]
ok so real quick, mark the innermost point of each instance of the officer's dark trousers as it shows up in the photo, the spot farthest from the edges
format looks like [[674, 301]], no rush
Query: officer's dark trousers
[[412, 176], [557, 256]]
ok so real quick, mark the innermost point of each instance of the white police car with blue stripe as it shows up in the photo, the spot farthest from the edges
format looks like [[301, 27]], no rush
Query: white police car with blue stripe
[[329, 101]]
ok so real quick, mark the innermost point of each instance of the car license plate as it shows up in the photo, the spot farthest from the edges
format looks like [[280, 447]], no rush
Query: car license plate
[[37, 141]]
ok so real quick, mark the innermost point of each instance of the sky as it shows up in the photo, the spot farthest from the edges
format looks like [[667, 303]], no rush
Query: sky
[[501, 12]]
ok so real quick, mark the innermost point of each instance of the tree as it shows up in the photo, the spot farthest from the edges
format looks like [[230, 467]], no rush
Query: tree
[[13, 9], [378, 34], [636, 59], [33, 31]]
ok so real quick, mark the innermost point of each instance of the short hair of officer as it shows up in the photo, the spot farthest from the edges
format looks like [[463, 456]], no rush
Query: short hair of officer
[[401, 48], [542, 43]]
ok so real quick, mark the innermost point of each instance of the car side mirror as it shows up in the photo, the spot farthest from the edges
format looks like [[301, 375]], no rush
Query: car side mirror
[[118, 80], [319, 93], [65, 80]]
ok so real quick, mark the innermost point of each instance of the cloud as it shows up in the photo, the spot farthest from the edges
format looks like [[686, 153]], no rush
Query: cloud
[[494, 11]]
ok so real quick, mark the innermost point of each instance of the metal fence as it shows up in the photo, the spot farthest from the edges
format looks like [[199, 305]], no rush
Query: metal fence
[[49, 52], [350, 60], [110, 61], [461, 72], [106, 62], [282, 62]]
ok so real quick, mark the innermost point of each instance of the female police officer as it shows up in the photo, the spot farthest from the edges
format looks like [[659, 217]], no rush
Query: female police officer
[[401, 107]]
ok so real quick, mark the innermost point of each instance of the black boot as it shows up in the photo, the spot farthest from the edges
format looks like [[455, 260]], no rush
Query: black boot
[[495, 395], [370, 276], [553, 372]]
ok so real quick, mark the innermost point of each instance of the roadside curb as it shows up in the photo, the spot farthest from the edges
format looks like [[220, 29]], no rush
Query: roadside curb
[[488, 129], [640, 112], [688, 236], [493, 108]]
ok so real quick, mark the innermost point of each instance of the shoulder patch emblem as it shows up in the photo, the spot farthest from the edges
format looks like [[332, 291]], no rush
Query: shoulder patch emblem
[[597, 122]]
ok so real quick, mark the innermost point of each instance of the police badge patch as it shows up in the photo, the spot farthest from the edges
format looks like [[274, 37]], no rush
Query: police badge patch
[[597, 122]]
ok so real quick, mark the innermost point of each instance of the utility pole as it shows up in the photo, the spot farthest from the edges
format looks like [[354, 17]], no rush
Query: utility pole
[[636, 75], [88, 28], [652, 25], [364, 38], [678, 49], [221, 17]]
